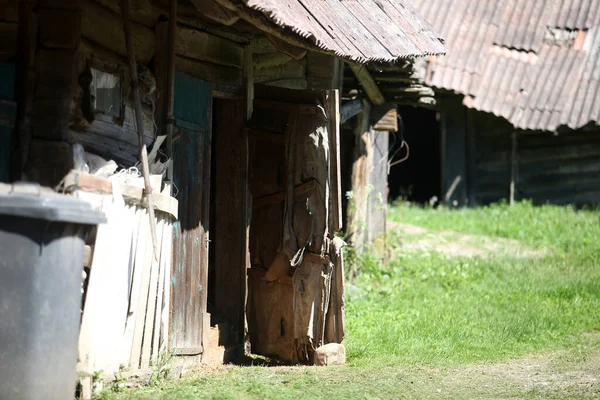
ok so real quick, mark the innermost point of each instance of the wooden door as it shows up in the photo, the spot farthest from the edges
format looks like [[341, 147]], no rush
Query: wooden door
[[191, 175], [8, 110]]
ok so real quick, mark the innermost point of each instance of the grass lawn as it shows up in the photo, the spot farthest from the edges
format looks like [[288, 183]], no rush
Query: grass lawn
[[515, 316]]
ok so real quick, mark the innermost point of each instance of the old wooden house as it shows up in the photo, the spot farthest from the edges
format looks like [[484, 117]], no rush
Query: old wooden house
[[517, 104], [239, 106]]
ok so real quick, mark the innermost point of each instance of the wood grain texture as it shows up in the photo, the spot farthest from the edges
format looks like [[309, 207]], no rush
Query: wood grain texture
[[191, 161]]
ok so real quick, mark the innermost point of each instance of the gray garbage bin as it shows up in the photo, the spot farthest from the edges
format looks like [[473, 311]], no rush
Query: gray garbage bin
[[41, 258]]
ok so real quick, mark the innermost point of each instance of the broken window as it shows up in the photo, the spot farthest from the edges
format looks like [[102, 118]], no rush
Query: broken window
[[106, 92]]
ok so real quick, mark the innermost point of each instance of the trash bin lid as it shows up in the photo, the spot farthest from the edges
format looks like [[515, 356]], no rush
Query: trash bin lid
[[30, 200]]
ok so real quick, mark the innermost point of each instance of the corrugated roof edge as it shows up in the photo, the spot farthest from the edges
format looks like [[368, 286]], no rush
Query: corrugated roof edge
[[320, 45]]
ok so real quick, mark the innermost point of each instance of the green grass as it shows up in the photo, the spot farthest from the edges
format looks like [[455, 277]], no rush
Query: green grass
[[425, 318]]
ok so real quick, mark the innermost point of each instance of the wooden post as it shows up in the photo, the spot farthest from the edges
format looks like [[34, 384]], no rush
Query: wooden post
[[249, 81], [333, 108], [513, 168], [139, 121], [170, 84], [357, 206], [368, 83]]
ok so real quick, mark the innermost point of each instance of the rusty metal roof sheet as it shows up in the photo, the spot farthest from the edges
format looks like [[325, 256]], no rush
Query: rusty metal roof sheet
[[500, 58], [358, 30]]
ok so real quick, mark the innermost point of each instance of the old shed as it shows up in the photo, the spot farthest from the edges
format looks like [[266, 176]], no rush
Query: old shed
[[227, 241], [518, 103]]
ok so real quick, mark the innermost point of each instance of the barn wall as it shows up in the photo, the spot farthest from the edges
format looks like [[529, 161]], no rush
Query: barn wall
[[559, 169], [492, 143], [209, 57]]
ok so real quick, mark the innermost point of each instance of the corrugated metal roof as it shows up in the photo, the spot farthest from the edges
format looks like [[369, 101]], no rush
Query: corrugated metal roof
[[358, 30], [498, 55]]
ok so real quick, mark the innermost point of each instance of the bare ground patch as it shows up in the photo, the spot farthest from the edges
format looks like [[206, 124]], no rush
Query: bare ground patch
[[456, 244], [564, 374]]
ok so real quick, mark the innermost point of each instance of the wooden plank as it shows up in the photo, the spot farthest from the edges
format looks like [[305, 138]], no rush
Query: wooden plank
[[220, 76], [333, 105], [249, 82], [165, 247], [368, 83], [194, 44], [57, 28], [87, 256], [166, 306], [133, 194], [357, 205], [104, 316], [385, 118], [266, 60], [143, 252], [350, 109], [111, 35], [147, 340], [290, 70], [191, 156], [105, 125], [293, 83]]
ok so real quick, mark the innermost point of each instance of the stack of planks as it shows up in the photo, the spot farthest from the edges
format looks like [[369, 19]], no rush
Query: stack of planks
[[125, 320]]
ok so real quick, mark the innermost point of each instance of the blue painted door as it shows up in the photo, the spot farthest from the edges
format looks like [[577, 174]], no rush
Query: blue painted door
[[8, 110], [191, 175]]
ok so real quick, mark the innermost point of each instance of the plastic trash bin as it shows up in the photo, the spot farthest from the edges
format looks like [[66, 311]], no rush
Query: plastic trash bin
[[42, 237]]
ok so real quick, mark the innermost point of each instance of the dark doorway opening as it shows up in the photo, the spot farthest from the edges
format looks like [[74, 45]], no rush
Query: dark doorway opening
[[417, 179]]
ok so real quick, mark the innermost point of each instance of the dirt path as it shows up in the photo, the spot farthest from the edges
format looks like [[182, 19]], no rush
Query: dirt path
[[564, 374], [459, 244]]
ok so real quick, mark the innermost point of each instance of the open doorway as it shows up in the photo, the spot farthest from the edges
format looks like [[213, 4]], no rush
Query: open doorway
[[417, 179], [227, 251]]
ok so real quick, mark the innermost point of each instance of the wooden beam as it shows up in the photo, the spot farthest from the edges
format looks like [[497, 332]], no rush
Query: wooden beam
[[385, 118], [249, 81], [103, 26], [368, 83], [350, 109], [192, 43], [333, 110], [266, 60]]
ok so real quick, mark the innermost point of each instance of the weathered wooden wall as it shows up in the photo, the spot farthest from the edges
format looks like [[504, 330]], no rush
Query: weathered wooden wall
[[559, 169], [58, 35], [548, 167], [189, 270], [492, 144], [454, 153], [203, 55]]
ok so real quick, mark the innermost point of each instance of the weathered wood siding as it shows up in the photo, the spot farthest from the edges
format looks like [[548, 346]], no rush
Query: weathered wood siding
[[563, 169], [454, 154], [206, 56], [492, 137], [551, 168], [189, 270]]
